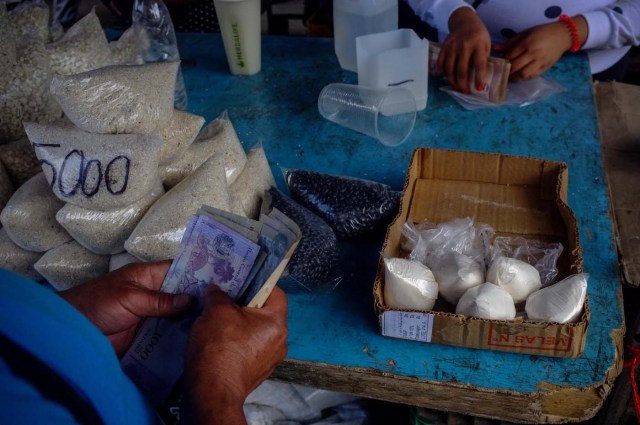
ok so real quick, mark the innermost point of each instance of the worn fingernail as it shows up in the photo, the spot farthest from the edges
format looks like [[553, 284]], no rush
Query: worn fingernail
[[181, 300]]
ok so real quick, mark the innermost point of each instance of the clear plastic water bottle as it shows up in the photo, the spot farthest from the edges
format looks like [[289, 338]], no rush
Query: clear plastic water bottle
[[353, 18], [152, 17]]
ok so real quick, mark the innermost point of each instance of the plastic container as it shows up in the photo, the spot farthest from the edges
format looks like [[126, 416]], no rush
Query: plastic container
[[153, 17], [353, 18], [397, 58], [240, 27], [387, 114]]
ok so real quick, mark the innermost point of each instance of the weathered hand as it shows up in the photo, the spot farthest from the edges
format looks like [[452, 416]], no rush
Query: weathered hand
[[467, 46], [535, 50], [231, 350], [118, 302]]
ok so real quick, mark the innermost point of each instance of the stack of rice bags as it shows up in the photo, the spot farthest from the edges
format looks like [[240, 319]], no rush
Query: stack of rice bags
[[101, 190], [31, 55]]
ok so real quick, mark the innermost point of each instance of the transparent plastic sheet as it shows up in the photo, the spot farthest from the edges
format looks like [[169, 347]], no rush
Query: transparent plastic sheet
[[409, 285], [152, 18], [17, 259], [104, 232], [129, 48], [315, 264], [487, 301], [256, 178], [118, 99], [83, 47], [70, 264], [285, 398], [352, 207], [95, 171], [541, 255], [157, 236], [519, 93], [561, 302], [29, 217]]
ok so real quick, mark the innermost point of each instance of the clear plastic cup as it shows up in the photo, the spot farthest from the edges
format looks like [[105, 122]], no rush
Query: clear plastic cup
[[388, 114]]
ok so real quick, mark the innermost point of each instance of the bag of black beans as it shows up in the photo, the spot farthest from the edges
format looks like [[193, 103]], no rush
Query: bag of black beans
[[314, 264], [352, 207]]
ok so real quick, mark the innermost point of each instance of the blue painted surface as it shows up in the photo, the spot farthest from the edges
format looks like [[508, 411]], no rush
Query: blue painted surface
[[279, 106]]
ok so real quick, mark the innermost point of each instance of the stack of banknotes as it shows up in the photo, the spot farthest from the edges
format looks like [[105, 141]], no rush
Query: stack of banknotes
[[498, 70], [243, 257]]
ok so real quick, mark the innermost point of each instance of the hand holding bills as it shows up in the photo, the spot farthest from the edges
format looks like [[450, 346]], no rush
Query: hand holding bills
[[243, 257]]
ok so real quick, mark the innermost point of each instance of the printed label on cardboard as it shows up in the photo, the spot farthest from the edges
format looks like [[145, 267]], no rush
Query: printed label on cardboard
[[407, 325], [499, 336]]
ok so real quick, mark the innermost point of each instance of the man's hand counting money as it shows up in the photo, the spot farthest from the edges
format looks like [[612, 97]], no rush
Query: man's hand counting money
[[231, 350], [118, 302]]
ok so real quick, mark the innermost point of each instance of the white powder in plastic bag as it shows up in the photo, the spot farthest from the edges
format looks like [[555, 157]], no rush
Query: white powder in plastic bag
[[70, 264], [17, 259], [118, 99], [95, 171], [514, 276], [455, 274], [254, 180], [158, 235], [177, 135], [83, 47], [409, 285], [30, 217], [120, 260], [487, 301], [561, 302], [104, 232]]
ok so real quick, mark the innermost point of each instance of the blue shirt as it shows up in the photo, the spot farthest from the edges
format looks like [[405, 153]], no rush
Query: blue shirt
[[47, 344]]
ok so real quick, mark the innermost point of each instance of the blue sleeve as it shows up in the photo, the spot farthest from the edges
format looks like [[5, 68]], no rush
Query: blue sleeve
[[57, 335]]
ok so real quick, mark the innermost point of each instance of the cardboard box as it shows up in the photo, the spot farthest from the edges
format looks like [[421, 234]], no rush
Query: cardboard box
[[619, 117], [516, 196]]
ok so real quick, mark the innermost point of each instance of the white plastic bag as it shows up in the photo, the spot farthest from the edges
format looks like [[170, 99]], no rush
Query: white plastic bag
[[541, 255], [561, 302], [455, 274], [487, 301], [518, 278], [409, 285]]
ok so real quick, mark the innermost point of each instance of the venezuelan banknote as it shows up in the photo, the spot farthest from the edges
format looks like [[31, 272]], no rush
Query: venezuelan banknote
[[237, 254]]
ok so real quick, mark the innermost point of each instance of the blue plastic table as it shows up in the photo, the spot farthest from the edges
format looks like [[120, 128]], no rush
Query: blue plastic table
[[334, 341]]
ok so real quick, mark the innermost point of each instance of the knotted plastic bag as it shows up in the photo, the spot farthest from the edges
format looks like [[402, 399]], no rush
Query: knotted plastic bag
[[118, 99], [541, 255], [561, 302], [250, 186], [95, 171], [315, 263], [158, 235], [70, 264], [17, 259], [409, 285], [29, 217], [514, 276], [487, 301], [104, 232], [352, 207]]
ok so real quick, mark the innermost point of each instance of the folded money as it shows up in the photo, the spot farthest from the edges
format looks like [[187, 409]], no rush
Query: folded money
[[498, 69], [243, 257]]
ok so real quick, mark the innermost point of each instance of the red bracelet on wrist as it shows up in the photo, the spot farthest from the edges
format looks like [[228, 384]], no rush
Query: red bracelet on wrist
[[575, 46]]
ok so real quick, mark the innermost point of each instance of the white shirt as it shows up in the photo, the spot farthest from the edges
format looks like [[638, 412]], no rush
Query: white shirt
[[614, 26]]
